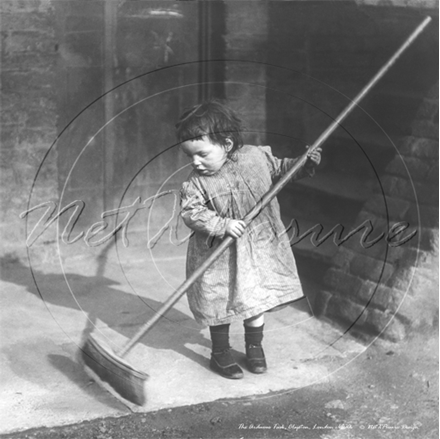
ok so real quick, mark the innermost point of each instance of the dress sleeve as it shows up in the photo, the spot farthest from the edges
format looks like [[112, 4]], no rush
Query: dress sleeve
[[196, 213], [279, 167]]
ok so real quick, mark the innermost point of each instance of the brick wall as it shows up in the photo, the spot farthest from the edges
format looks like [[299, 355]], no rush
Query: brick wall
[[387, 289], [59, 58], [29, 115], [379, 166]]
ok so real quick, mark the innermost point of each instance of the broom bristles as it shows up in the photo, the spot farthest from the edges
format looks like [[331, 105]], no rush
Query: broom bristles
[[113, 373]]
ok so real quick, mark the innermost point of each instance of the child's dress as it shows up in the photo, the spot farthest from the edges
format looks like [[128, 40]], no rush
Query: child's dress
[[258, 271]]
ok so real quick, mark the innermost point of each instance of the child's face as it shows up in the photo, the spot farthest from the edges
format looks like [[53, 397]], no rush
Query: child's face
[[207, 157]]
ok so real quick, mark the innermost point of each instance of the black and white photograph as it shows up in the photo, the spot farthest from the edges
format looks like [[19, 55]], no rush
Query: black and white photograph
[[219, 219]]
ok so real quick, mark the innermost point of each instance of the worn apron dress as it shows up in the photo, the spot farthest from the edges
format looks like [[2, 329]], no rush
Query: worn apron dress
[[258, 271]]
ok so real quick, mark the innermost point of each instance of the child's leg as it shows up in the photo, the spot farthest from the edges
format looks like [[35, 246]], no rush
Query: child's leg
[[255, 321], [253, 336], [222, 361], [219, 338]]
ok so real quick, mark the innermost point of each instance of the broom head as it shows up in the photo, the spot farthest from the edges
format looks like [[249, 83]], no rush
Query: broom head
[[113, 373]]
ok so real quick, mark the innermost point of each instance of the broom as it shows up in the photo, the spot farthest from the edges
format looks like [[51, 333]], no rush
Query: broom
[[116, 375]]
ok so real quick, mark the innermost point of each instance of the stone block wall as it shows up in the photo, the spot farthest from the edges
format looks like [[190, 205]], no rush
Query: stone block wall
[[29, 114], [59, 58]]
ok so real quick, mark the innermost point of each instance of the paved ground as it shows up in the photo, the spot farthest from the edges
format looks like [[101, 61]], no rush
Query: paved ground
[[50, 307], [387, 392]]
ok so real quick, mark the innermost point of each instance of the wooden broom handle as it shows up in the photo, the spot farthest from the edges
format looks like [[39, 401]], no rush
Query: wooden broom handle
[[268, 197]]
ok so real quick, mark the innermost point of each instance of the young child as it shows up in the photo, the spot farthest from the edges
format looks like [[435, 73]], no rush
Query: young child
[[257, 272]]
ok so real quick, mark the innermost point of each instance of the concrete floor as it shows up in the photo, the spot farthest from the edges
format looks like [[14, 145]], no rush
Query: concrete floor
[[49, 307]]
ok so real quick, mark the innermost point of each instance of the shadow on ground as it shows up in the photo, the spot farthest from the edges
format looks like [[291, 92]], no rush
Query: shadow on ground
[[100, 300]]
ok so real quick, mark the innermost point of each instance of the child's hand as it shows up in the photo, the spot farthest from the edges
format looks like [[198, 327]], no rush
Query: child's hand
[[314, 157], [235, 228]]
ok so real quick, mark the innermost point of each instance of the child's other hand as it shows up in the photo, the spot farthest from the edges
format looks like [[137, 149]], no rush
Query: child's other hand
[[314, 156], [235, 228]]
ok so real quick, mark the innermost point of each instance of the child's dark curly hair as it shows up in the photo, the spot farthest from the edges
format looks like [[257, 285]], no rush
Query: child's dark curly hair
[[212, 119]]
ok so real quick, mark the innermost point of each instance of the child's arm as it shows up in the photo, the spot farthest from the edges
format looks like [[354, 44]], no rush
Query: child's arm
[[198, 217], [279, 167]]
